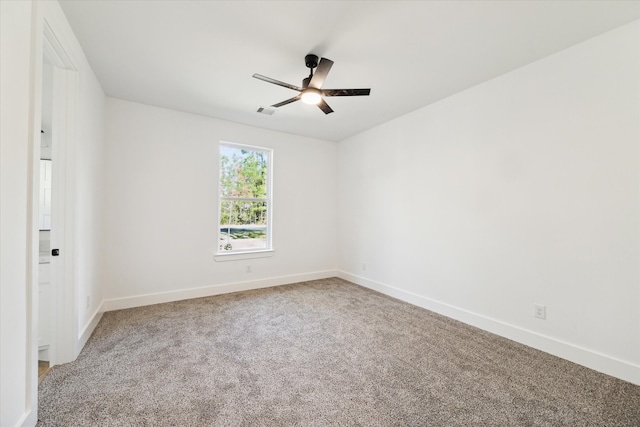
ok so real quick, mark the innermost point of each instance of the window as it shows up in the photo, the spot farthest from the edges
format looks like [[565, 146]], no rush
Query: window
[[244, 199]]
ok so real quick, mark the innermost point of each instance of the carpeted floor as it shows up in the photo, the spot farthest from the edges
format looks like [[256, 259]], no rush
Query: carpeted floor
[[319, 353]]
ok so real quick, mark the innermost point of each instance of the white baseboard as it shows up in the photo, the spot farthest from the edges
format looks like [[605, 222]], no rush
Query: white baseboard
[[582, 356], [28, 419], [86, 332], [43, 353], [162, 297]]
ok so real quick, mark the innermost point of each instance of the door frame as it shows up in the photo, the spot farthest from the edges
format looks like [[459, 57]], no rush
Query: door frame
[[50, 43], [65, 308]]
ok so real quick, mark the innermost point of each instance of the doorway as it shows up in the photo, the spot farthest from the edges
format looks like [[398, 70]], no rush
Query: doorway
[[54, 339], [45, 287]]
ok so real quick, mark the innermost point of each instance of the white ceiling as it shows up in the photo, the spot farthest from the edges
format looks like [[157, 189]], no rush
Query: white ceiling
[[199, 56]]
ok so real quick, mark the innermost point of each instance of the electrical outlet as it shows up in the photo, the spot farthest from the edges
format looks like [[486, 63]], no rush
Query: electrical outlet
[[364, 266], [540, 311], [248, 269]]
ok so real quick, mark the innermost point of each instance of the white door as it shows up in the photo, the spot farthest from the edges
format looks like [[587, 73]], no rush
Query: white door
[[45, 194]]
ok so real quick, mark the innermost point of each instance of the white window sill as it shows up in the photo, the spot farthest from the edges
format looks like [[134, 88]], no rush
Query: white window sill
[[236, 256]]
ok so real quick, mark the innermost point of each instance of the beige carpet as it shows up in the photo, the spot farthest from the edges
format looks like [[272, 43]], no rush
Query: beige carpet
[[319, 353]]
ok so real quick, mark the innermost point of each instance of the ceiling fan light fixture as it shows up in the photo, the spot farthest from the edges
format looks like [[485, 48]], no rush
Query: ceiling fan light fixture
[[311, 96], [311, 91]]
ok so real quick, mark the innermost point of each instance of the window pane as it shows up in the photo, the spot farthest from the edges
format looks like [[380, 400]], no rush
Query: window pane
[[244, 198], [243, 225], [243, 173]]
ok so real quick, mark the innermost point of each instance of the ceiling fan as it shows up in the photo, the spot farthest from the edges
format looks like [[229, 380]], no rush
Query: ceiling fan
[[311, 91]]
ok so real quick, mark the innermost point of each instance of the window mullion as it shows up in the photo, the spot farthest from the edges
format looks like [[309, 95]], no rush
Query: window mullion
[[243, 199]]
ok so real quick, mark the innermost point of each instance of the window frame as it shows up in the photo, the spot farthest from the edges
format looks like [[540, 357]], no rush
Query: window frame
[[224, 255]]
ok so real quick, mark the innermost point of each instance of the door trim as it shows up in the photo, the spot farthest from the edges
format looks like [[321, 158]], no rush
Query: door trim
[[64, 342]]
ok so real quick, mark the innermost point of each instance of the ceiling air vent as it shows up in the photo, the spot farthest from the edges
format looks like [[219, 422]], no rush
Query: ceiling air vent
[[267, 111]]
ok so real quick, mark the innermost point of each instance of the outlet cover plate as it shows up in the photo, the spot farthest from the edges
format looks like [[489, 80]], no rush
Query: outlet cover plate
[[540, 311]]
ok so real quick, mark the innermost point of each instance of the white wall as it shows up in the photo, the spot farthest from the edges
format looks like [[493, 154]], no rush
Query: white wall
[[15, 67], [522, 190], [89, 169], [21, 76], [161, 211]]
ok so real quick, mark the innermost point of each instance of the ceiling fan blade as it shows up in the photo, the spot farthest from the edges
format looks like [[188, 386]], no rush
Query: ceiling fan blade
[[277, 82], [288, 101], [346, 92], [321, 73], [324, 107]]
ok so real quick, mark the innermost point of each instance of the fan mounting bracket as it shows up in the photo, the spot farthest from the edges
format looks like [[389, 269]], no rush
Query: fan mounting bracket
[[311, 61]]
